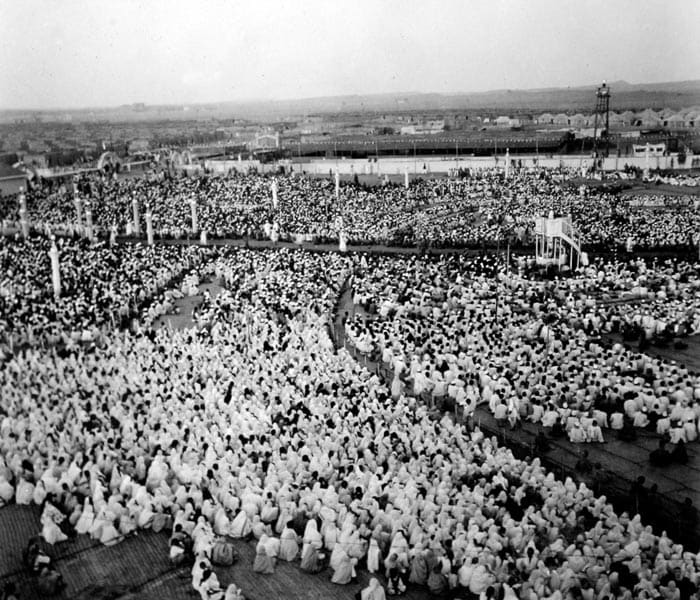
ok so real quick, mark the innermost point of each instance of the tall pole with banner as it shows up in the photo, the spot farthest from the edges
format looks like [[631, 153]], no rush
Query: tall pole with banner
[[137, 221], [88, 222], [55, 269], [149, 227]]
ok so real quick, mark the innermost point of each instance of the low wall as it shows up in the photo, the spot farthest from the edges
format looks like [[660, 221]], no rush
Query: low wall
[[426, 165], [222, 167]]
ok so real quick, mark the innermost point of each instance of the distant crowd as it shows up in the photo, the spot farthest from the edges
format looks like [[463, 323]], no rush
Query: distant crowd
[[483, 209]]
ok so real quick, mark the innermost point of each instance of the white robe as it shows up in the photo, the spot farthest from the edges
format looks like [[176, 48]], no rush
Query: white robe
[[240, 526], [289, 547], [86, 519], [25, 491]]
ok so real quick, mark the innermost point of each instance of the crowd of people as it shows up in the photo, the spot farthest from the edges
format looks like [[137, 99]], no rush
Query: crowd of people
[[251, 423], [484, 208], [466, 331], [101, 285]]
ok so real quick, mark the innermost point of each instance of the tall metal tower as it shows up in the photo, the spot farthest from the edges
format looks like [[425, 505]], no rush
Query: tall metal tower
[[601, 119]]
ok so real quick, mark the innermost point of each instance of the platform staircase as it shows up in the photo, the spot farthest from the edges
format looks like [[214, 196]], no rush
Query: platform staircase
[[557, 243]]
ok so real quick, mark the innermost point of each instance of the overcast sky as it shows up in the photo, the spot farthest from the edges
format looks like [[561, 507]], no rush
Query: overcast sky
[[78, 53]]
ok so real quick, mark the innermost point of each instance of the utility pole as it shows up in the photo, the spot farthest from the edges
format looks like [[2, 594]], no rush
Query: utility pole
[[415, 165]]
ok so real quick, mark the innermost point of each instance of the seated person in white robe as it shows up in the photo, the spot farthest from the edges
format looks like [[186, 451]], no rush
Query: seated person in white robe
[[289, 548], [240, 526], [87, 517], [373, 591], [344, 570], [264, 561], [25, 490], [209, 586], [310, 553], [50, 519], [233, 592]]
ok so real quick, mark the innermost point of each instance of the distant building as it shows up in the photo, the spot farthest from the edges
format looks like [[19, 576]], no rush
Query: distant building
[[11, 180], [616, 120], [647, 118], [137, 146], [627, 118], [675, 122], [457, 121], [505, 121], [692, 119], [427, 127], [578, 120]]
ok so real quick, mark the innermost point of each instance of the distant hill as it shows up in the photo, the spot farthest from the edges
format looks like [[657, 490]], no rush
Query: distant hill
[[624, 96], [673, 95]]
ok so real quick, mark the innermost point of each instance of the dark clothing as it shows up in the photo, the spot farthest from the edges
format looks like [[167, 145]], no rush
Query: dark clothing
[[660, 457]]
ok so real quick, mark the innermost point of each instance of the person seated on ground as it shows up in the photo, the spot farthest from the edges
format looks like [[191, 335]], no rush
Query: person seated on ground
[[49, 581], [180, 548], [344, 571], [595, 433], [641, 420], [373, 591], [437, 583], [289, 547], [660, 457], [685, 586], [180, 538], [396, 573], [201, 564], [577, 434], [209, 586], [670, 591], [233, 592], [311, 557], [617, 421], [480, 580], [419, 568], [264, 559], [34, 558], [51, 518], [663, 425], [583, 464], [558, 429], [627, 433], [527, 563], [464, 574], [241, 526], [501, 414], [679, 454]]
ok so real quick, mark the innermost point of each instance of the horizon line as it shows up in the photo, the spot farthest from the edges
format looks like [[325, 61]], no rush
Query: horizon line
[[350, 95]]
